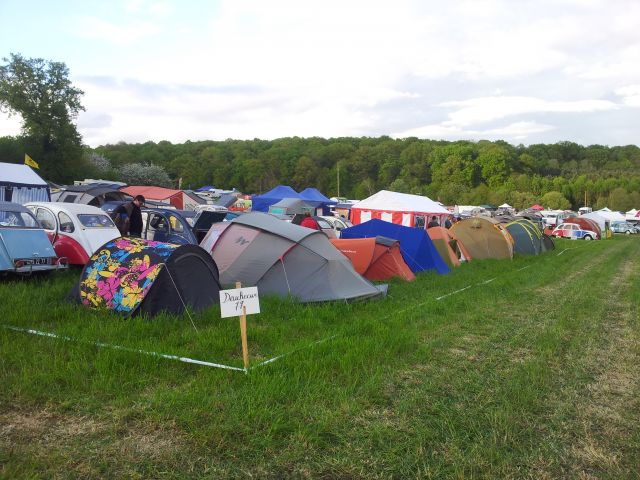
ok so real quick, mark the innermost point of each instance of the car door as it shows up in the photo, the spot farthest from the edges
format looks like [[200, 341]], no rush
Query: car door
[[48, 221]]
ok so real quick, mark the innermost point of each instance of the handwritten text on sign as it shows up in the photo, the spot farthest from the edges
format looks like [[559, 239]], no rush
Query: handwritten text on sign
[[232, 301]]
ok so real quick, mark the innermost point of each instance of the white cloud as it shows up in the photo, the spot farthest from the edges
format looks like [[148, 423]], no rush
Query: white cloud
[[630, 95], [100, 29], [10, 126], [516, 131]]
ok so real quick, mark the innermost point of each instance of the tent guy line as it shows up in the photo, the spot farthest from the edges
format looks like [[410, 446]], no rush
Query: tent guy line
[[126, 349]]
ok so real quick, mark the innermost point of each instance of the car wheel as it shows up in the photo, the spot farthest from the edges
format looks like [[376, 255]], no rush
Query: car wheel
[[588, 237], [628, 232]]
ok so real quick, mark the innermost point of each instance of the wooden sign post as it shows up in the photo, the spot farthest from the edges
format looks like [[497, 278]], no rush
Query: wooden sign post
[[240, 302], [243, 333]]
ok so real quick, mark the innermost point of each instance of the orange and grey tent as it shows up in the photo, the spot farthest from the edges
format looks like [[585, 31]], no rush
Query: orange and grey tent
[[484, 238], [449, 247], [375, 258]]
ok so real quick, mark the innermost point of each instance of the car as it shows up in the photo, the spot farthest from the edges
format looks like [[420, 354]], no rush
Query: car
[[24, 245], [573, 230], [178, 226], [325, 226], [623, 227], [75, 230], [337, 223]]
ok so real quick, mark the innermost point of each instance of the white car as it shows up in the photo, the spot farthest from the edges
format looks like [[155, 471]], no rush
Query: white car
[[75, 230], [338, 224]]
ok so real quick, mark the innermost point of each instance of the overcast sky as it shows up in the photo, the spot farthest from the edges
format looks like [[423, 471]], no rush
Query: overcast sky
[[523, 71]]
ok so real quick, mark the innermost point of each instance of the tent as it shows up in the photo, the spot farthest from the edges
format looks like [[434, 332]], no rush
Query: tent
[[376, 258], [449, 247], [417, 248], [180, 199], [536, 207], [280, 258], [399, 208], [261, 203], [20, 184], [313, 195], [527, 237], [135, 276], [291, 206], [484, 237], [93, 194]]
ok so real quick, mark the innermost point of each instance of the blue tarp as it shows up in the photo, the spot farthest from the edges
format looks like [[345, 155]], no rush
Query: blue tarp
[[261, 203], [416, 246]]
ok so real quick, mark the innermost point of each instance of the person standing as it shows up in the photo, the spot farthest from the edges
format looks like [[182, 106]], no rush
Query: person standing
[[128, 217], [433, 222]]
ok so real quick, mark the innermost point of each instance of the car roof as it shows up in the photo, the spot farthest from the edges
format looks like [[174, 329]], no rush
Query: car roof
[[75, 208], [13, 207]]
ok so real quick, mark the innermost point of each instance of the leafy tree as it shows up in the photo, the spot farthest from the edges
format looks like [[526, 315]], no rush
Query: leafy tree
[[620, 199], [555, 200], [137, 174], [42, 94]]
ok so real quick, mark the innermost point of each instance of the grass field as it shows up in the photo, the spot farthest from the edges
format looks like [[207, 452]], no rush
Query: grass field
[[533, 371]]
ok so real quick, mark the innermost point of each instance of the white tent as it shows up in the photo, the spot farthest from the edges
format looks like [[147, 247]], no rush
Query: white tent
[[632, 214], [610, 215], [399, 208], [20, 184], [505, 205], [602, 221]]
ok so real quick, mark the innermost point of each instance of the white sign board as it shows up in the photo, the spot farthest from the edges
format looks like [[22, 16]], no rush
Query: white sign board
[[232, 301]]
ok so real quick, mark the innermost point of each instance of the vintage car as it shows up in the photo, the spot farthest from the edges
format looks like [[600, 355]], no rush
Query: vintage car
[[24, 246], [178, 226], [623, 227], [75, 230], [337, 223], [573, 230]]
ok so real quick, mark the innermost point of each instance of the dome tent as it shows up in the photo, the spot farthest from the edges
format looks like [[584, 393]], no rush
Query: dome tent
[[261, 203], [484, 238], [135, 276], [283, 259]]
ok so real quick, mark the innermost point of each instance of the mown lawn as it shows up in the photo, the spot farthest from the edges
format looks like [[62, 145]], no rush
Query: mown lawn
[[533, 371]]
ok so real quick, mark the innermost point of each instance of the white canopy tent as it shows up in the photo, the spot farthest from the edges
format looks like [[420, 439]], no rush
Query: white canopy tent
[[399, 208], [20, 184]]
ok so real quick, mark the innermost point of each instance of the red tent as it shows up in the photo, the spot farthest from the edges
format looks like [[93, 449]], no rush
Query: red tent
[[375, 258], [536, 207], [178, 198]]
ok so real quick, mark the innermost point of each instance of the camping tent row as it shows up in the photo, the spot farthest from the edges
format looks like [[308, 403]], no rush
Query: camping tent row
[[310, 196]]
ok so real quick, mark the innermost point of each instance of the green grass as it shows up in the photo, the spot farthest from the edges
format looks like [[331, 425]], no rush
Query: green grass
[[534, 374]]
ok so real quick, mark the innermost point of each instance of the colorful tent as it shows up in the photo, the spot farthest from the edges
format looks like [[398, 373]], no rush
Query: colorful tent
[[376, 258], [449, 247], [398, 208], [261, 203], [135, 276], [484, 238], [283, 259], [417, 248], [20, 184], [536, 207]]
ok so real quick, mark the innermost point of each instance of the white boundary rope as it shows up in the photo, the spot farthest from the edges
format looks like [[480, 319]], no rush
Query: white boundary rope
[[126, 349]]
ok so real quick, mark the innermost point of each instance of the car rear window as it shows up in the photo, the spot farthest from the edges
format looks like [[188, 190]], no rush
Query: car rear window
[[10, 218], [95, 221]]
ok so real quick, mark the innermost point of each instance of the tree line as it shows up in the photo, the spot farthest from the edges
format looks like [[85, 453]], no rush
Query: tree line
[[561, 175]]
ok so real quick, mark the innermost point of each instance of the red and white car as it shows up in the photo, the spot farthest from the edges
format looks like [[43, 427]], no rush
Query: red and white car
[[75, 230], [573, 230]]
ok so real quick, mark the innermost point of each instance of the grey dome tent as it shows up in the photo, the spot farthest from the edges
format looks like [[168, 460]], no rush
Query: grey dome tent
[[280, 258]]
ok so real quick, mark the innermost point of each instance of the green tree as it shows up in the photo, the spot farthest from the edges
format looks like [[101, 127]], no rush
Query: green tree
[[555, 200], [137, 174], [42, 94]]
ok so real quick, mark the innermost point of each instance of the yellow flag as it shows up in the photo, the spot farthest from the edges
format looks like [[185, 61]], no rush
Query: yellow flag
[[30, 161]]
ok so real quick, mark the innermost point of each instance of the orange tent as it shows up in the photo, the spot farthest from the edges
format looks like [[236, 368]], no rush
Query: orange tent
[[449, 247], [376, 258]]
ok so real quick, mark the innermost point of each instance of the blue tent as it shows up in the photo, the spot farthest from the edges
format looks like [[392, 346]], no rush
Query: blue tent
[[261, 203], [314, 195], [416, 246]]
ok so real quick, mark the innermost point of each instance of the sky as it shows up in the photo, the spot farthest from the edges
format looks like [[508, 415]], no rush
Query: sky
[[522, 71]]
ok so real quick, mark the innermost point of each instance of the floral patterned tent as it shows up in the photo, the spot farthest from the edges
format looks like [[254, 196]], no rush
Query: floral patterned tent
[[135, 276]]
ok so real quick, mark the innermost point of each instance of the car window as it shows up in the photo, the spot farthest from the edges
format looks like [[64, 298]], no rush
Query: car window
[[176, 224], [95, 221], [323, 223], [46, 219], [157, 222], [10, 218], [66, 224]]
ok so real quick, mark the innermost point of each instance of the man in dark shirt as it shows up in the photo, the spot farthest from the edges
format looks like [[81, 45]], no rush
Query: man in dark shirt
[[128, 217], [433, 222]]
